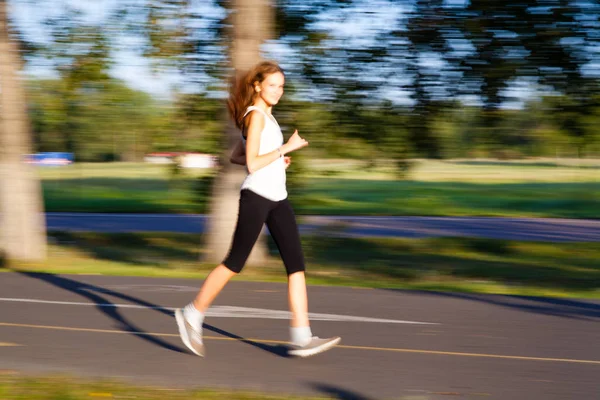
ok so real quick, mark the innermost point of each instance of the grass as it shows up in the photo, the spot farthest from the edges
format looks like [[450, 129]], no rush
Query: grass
[[441, 188], [441, 264], [15, 387], [121, 187], [364, 197]]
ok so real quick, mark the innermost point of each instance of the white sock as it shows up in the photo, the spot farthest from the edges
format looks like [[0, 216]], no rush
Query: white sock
[[193, 316], [300, 336]]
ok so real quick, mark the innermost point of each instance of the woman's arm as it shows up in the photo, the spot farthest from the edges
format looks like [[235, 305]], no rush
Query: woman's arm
[[255, 162], [238, 156]]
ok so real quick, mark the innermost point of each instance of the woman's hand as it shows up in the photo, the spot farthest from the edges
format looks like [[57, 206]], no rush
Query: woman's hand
[[287, 160], [295, 142]]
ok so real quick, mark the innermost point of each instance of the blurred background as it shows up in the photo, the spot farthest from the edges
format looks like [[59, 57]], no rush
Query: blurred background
[[396, 80], [438, 131], [426, 108], [114, 81]]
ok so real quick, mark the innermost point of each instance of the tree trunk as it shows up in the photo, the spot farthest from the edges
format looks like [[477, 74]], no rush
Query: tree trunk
[[252, 24], [22, 229]]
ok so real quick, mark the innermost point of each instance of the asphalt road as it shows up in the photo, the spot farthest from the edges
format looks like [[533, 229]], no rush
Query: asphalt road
[[528, 229], [395, 344]]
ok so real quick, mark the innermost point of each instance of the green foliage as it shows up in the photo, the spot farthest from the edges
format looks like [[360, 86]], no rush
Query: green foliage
[[576, 118], [111, 121], [198, 123]]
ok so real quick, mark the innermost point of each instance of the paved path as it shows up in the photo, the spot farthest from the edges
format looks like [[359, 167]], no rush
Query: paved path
[[396, 344], [531, 229]]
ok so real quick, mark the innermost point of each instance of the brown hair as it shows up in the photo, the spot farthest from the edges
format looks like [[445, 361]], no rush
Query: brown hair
[[241, 94]]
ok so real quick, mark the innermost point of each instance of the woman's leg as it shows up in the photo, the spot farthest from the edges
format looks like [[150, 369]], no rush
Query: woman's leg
[[284, 230], [214, 283], [298, 300], [253, 212]]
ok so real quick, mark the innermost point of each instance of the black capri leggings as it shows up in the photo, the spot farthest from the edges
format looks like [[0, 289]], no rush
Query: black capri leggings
[[255, 211]]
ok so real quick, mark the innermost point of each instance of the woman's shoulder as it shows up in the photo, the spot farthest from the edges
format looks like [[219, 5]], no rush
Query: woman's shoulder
[[255, 120], [250, 109]]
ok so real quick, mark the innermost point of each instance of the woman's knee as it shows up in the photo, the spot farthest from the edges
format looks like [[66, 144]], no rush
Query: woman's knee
[[233, 266], [293, 268]]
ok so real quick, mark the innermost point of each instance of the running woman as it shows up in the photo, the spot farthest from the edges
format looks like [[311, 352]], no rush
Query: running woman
[[263, 199]]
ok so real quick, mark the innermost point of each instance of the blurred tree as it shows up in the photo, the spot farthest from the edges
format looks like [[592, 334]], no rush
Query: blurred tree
[[490, 43], [352, 76], [81, 55], [112, 123], [23, 229], [577, 118], [432, 79], [251, 24], [228, 46], [198, 124], [47, 112]]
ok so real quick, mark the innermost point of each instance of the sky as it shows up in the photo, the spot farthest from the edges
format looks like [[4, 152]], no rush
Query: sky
[[129, 66]]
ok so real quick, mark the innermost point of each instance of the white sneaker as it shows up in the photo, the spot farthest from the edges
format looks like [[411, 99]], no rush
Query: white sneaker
[[315, 346], [189, 336]]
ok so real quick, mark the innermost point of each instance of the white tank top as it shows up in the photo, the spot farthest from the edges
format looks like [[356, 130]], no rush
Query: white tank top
[[269, 181]]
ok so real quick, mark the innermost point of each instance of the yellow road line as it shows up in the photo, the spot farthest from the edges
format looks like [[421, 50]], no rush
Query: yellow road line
[[368, 348], [453, 353], [5, 344], [66, 328]]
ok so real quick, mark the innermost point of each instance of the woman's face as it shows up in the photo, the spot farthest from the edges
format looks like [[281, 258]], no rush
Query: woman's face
[[271, 88]]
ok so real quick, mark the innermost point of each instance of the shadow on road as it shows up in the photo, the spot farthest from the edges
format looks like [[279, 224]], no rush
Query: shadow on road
[[459, 258], [95, 295], [156, 249], [278, 350], [565, 308], [335, 392]]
